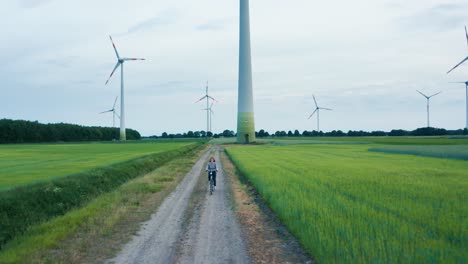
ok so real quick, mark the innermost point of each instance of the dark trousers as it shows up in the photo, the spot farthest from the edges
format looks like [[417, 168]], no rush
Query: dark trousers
[[213, 174]]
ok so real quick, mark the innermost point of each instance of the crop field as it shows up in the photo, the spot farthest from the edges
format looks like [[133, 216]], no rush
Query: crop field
[[442, 140], [448, 152], [346, 204], [25, 164]]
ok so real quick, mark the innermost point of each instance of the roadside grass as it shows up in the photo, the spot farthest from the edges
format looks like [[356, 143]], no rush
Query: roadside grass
[[448, 152], [96, 231], [25, 164], [26, 206], [348, 205]]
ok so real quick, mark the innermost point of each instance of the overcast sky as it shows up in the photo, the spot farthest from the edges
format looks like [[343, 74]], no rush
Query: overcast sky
[[363, 58]]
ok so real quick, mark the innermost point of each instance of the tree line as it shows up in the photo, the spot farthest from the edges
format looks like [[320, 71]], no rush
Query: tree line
[[424, 131], [21, 131]]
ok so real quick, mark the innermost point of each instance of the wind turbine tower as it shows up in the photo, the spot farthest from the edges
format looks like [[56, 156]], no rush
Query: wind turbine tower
[[428, 99], [113, 112], [120, 62], [317, 110], [466, 84], [208, 108], [245, 106]]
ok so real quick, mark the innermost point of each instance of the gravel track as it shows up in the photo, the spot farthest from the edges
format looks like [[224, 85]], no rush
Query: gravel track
[[213, 234]]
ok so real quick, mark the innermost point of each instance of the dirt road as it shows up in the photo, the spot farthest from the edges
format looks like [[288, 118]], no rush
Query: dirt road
[[212, 235]]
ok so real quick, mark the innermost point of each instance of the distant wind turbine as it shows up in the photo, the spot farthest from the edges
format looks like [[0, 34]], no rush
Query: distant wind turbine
[[428, 98], [317, 110], [113, 112], [210, 109], [120, 62], [208, 98], [466, 84], [465, 59]]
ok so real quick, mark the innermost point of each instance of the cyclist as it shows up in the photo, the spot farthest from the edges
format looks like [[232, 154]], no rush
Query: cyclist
[[211, 167]]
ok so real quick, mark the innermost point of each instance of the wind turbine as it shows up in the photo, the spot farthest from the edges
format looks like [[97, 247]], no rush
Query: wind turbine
[[465, 59], [245, 104], [207, 97], [317, 110], [120, 62], [428, 98], [113, 112], [210, 109], [466, 84]]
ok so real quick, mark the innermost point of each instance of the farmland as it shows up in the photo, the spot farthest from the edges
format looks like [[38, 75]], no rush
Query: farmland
[[347, 204], [26, 164]]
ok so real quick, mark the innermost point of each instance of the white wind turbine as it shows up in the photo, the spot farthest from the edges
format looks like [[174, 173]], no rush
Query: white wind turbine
[[317, 110], [120, 62], [210, 109], [113, 112], [207, 97], [466, 85], [428, 99], [465, 59]]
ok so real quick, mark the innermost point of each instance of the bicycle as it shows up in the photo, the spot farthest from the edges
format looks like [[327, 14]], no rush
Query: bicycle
[[211, 182]]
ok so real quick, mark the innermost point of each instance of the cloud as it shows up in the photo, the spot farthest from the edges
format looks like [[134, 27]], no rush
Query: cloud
[[165, 18], [438, 18], [32, 3], [214, 25]]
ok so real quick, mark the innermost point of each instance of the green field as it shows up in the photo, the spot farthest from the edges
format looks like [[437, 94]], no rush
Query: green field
[[25, 164], [447, 152], [348, 205]]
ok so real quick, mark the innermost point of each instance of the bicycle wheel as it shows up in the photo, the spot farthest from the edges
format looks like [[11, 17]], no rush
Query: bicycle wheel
[[211, 186]]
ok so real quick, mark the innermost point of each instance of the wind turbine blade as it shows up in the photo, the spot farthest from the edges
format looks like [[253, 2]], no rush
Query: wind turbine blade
[[200, 99], [106, 111], [132, 59], [326, 108], [212, 98], [422, 94], [466, 33], [315, 101], [115, 102], [117, 115], [458, 65], [434, 94], [112, 73], [312, 114], [212, 112], [212, 103], [458, 82], [115, 49]]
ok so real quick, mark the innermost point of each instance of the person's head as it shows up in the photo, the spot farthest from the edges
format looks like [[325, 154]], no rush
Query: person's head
[[212, 159]]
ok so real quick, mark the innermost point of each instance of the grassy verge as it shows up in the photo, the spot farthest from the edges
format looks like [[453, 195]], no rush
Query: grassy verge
[[93, 233], [24, 207]]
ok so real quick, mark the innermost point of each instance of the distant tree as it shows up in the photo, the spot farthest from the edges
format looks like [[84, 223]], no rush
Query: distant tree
[[164, 135], [262, 133], [398, 133], [290, 133], [296, 133], [209, 134], [228, 133], [190, 134]]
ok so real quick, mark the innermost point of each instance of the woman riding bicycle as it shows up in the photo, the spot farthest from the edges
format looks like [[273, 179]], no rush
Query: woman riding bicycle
[[212, 169]]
